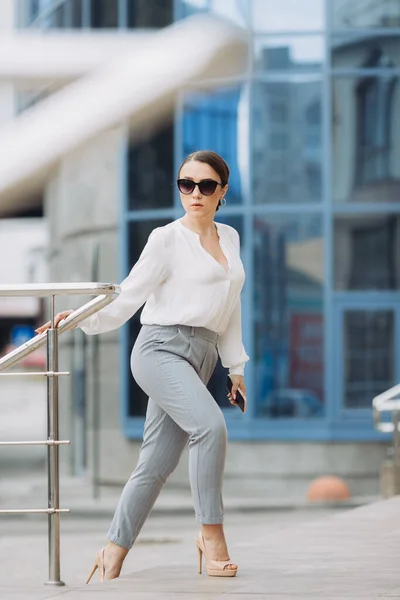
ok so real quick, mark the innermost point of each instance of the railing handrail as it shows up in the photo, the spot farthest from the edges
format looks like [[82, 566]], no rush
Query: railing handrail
[[106, 293], [56, 289], [386, 402]]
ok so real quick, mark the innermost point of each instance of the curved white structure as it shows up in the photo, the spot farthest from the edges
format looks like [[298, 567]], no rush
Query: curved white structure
[[136, 85]]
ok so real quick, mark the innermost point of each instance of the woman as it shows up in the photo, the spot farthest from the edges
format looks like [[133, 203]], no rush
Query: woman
[[190, 276]]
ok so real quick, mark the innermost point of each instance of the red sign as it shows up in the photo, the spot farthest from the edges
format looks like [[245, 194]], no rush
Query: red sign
[[306, 368]]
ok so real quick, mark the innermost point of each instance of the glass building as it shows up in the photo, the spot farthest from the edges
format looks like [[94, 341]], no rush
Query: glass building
[[311, 133]]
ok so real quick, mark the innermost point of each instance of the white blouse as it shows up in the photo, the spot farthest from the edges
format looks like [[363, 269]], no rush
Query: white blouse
[[182, 284]]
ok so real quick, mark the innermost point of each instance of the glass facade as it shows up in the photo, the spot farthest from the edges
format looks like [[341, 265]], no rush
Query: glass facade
[[311, 133], [96, 14], [288, 317]]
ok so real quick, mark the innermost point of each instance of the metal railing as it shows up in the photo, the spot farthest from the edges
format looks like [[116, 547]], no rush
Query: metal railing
[[106, 293], [389, 402]]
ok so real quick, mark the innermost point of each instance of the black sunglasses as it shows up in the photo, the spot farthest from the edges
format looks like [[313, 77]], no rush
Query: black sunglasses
[[206, 186]]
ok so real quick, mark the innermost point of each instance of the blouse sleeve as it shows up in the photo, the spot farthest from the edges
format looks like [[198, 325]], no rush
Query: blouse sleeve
[[230, 345], [145, 276]]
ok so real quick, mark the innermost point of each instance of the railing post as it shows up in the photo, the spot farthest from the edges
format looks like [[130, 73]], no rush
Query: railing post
[[395, 416], [53, 453]]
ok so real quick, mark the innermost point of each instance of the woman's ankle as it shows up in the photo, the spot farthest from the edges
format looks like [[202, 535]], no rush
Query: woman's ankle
[[117, 552], [211, 532]]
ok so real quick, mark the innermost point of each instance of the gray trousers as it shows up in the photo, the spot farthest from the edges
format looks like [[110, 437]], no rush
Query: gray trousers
[[172, 365]]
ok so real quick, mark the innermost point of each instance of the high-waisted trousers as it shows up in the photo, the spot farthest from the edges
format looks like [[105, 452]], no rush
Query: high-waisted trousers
[[173, 364]]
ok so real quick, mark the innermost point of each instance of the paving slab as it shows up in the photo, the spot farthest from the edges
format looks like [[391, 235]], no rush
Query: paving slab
[[351, 555]]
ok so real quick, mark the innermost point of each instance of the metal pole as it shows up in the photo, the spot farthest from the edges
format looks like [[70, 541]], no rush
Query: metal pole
[[52, 454], [95, 400], [396, 450]]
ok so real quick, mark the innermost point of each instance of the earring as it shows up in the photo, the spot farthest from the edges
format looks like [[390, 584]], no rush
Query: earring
[[223, 201]]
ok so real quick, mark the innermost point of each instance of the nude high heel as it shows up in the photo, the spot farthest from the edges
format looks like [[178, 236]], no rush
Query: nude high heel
[[98, 564], [214, 568]]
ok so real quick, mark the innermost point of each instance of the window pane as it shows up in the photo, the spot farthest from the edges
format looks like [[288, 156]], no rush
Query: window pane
[[287, 142], [56, 19], [237, 12], [154, 14], [287, 15], [151, 171], [217, 383], [138, 233], [365, 139], [281, 53], [104, 14], [75, 8], [366, 51], [288, 309], [381, 13], [368, 350], [367, 252], [217, 122], [185, 8], [32, 11]]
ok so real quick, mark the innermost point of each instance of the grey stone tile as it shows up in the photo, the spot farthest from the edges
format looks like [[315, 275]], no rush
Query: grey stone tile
[[29, 593]]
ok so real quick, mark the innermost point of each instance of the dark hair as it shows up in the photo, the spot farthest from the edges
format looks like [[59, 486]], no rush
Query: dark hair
[[214, 160]]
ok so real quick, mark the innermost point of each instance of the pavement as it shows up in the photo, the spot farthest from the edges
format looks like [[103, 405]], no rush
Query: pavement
[[315, 553], [285, 550]]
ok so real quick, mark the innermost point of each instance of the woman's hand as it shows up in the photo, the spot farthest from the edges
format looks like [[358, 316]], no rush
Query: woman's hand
[[57, 319], [237, 384]]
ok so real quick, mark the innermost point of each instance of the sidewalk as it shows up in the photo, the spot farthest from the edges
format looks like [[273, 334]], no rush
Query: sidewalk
[[352, 555]]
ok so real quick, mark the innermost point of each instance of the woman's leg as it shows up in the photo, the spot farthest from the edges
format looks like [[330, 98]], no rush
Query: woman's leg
[[183, 408], [189, 403], [163, 444], [175, 386], [213, 534]]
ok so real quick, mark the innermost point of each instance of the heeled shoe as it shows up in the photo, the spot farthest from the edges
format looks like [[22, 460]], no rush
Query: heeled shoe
[[215, 568], [98, 564]]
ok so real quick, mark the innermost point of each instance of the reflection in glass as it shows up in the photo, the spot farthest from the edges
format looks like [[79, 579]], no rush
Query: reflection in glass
[[362, 14], [56, 19], [154, 14], [352, 50], [367, 252], [151, 170], [104, 14], [368, 351], [217, 383], [287, 142], [76, 13], [366, 145], [138, 234], [186, 8], [287, 15], [282, 53], [237, 12], [66, 14], [217, 121], [30, 12], [288, 316]]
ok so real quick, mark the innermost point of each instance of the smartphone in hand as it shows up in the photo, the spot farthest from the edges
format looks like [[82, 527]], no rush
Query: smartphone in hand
[[240, 400]]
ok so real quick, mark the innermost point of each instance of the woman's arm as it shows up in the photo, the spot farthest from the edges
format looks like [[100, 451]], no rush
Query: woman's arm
[[230, 346], [145, 276]]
